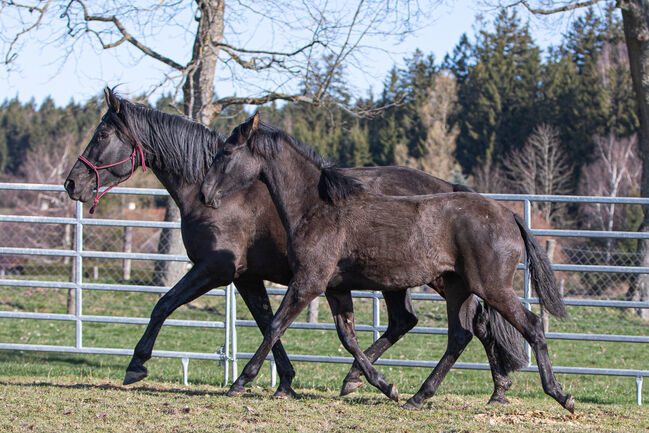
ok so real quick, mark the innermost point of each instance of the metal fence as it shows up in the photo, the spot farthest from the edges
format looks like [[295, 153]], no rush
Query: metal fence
[[58, 255]]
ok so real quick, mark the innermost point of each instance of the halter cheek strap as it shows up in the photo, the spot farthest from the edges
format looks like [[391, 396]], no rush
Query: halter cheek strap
[[136, 148]]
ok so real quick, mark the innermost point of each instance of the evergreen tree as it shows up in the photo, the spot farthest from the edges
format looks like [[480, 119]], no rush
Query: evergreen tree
[[498, 91]]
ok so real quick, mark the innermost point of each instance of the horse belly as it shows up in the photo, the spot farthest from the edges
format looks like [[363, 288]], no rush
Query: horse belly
[[394, 269]]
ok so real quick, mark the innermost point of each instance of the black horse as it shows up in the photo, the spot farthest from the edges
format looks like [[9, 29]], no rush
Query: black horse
[[244, 241], [342, 236]]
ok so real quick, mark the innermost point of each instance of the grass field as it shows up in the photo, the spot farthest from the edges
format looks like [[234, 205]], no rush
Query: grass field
[[61, 392]]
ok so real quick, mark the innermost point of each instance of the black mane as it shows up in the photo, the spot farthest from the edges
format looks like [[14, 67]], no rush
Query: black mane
[[333, 186], [181, 146]]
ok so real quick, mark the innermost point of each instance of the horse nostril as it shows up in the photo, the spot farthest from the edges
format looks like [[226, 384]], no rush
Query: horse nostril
[[69, 186]]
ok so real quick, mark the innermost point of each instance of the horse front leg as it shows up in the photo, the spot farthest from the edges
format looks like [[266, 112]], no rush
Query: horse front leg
[[255, 296], [199, 280], [401, 319], [295, 301], [342, 309]]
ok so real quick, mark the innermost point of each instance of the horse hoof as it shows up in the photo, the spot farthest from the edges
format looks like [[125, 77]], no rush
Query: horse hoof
[[569, 404], [235, 391], [285, 393], [393, 393], [134, 376], [351, 386], [411, 405], [498, 400]]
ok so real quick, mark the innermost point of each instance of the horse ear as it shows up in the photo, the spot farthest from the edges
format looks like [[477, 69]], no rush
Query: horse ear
[[111, 99], [250, 126]]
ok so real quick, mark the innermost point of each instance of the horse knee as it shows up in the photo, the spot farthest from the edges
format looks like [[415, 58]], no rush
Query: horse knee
[[460, 338], [411, 321]]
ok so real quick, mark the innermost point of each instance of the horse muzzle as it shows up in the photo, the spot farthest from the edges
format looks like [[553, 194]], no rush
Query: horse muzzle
[[209, 197]]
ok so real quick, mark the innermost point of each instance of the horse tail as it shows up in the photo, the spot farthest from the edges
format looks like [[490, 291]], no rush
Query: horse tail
[[541, 273], [508, 348]]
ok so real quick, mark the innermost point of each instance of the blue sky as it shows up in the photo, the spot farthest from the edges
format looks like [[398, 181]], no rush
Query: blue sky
[[40, 72]]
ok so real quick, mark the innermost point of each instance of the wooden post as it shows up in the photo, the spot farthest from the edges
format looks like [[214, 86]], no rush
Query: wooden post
[[312, 311], [128, 244], [550, 245]]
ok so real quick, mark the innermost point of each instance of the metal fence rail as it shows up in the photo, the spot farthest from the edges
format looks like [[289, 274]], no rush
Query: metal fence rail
[[228, 353]]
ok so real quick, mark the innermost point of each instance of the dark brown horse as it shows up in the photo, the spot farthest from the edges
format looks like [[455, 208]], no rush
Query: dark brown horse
[[244, 241], [342, 236]]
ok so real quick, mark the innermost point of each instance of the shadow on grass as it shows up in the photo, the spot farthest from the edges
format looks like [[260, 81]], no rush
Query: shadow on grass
[[17, 356], [115, 387]]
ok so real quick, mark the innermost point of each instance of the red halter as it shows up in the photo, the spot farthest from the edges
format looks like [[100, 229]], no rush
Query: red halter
[[137, 147]]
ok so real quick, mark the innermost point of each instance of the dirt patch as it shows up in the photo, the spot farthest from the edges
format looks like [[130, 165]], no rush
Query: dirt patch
[[536, 417]]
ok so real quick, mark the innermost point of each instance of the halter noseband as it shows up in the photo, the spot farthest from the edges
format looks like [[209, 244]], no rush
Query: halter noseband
[[136, 148]]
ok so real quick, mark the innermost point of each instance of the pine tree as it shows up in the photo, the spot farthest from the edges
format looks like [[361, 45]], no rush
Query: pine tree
[[498, 78]]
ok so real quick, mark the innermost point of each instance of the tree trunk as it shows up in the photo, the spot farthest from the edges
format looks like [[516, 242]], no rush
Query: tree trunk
[[635, 16], [198, 92], [167, 273], [198, 88]]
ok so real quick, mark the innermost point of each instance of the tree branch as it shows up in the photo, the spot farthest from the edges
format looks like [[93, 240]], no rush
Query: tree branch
[[260, 100], [569, 7], [126, 36], [9, 57]]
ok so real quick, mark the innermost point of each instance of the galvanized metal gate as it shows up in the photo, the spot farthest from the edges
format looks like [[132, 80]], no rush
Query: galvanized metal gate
[[227, 352]]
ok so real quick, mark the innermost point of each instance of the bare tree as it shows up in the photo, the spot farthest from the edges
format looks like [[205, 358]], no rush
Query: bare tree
[[278, 65], [615, 172], [540, 167], [489, 178]]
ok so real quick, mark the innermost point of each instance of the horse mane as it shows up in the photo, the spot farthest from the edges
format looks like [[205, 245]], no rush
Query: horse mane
[[333, 187], [183, 147]]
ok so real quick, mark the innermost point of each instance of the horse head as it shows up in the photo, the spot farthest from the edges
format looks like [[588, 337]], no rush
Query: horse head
[[234, 167], [110, 158]]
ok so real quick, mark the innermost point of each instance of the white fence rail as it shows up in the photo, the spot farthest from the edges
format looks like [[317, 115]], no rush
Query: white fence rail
[[228, 353]]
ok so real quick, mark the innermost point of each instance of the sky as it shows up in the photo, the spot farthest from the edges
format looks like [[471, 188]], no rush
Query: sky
[[40, 71]]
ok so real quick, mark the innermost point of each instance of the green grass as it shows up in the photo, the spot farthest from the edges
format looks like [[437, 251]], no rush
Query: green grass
[[462, 394], [56, 405]]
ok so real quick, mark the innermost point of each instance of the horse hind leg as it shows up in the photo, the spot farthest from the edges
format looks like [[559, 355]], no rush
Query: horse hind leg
[[459, 309], [342, 309], [531, 327], [503, 346], [401, 319]]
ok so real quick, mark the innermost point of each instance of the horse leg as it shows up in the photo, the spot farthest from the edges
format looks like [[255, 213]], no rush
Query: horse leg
[[504, 353], [296, 299], [198, 281], [528, 324], [459, 304], [401, 319], [255, 296], [342, 310], [499, 373]]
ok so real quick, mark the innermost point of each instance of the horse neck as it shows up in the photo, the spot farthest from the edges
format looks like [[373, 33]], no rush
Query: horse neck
[[292, 181], [182, 191]]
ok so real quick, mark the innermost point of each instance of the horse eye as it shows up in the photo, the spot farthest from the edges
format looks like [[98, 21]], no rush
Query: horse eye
[[227, 151], [103, 135]]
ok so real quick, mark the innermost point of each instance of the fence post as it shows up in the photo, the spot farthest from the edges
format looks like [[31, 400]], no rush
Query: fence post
[[78, 275], [527, 215], [376, 319], [550, 245], [233, 326], [228, 326]]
